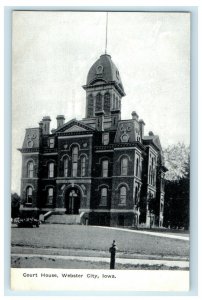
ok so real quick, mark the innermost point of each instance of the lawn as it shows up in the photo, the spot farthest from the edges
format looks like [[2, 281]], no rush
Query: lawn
[[97, 238]]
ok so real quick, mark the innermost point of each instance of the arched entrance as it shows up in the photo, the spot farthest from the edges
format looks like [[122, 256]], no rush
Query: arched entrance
[[72, 201]]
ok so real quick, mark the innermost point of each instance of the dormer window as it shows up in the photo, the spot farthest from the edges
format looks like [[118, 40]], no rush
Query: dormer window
[[105, 138], [51, 142], [99, 70]]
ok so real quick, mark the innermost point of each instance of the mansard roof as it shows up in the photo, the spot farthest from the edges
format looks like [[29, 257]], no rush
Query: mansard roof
[[104, 71], [153, 139]]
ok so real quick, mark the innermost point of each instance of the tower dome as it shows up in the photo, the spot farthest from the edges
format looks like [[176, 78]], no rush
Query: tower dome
[[104, 71], [104, 89]]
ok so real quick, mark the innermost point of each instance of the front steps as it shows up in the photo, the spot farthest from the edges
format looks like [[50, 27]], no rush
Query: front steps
[[63, 219]]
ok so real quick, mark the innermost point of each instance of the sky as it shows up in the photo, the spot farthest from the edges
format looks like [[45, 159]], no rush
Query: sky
[[52, 53]]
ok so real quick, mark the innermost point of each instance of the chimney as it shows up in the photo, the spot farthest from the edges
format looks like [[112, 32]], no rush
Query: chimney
[[135, 116], [60, 120], [142, 124], [115, 117], [99, 120], [41, 125], [46, 124]]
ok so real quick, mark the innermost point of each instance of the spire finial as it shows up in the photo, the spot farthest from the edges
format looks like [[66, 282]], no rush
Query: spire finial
[[106, 32]]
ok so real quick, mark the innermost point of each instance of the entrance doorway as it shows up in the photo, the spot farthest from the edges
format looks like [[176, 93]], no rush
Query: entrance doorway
[[72, 201]]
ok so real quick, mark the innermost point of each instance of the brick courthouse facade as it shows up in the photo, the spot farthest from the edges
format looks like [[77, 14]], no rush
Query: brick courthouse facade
[[102, 169]]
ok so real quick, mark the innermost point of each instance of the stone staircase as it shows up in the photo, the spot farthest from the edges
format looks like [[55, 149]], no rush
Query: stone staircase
[[63, 219]]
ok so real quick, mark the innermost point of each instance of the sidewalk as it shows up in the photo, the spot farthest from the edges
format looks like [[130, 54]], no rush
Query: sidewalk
[[160, 234], [69, 256], [150, 262]]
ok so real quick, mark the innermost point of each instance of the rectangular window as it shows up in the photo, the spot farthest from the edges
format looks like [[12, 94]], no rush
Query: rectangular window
[[105, 138], [51, 143], [105, 168]]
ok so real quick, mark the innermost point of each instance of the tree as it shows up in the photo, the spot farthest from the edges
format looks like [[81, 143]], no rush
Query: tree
[[176, 159], [15, 205], [177, 186]]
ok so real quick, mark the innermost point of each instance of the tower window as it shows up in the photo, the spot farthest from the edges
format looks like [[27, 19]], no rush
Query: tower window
[[122, 195], [105, 164], [51, 170], [83, 166], [103, 200], [90, 111], [74, 161], [29, 195], [124, 166], [107, 103], [99, 102], [30, 169]]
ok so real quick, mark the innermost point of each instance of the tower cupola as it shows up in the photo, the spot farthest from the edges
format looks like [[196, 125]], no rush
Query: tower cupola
[[104, 88]]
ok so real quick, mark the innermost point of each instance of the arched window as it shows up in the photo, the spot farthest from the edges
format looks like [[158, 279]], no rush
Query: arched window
[[29, 193], [103, 200], [107, 103], [30, 169], [65, 164], [150, 175], [137, 167], [105, 138], [50, 196], [117, 102], [122, 195], [99, 102], [90, 111], [114, 102], [105, 164], [51, 170], [83, 166], [75, 151], [124, 166], [136, 194], [51, 142]]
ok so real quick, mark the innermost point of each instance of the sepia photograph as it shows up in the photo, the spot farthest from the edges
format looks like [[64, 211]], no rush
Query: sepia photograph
[[100, 144]]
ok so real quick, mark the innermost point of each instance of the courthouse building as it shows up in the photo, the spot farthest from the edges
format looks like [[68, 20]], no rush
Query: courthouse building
[[102, 170]]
